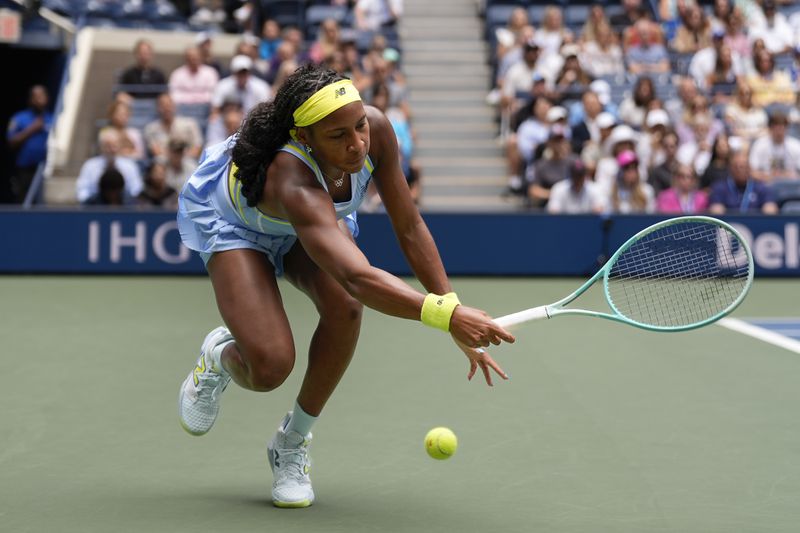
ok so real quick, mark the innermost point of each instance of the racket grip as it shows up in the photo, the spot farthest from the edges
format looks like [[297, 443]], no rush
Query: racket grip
[[528, 315]]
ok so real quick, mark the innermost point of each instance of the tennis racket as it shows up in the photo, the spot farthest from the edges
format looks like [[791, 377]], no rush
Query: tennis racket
[[676, 275]]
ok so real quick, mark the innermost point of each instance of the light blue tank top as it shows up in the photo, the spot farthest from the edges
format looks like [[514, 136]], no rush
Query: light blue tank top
[[232, 204]]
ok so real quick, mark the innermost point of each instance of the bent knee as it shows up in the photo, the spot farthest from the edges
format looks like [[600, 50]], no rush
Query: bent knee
[[344, 309], [268, 368]]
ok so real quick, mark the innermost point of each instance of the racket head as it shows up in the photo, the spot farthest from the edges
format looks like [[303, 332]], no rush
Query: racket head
[[679, 274]]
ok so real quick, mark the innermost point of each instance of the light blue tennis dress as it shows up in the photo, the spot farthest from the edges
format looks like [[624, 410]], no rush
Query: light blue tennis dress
[[213, 215]]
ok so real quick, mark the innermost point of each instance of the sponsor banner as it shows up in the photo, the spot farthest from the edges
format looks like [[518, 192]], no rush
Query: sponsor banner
[[138, 242]]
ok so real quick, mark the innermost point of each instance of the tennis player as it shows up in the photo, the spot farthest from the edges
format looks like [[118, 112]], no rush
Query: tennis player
[[280, 197]]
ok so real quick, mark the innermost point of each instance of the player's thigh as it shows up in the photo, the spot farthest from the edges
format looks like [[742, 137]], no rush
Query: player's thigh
[[250, 303], [329, 297]]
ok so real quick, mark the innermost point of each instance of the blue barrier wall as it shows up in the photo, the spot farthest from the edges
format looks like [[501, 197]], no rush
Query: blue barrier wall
[[470, 244]]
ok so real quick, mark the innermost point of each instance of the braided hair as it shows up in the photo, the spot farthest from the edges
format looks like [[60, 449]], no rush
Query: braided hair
[[267, 126]]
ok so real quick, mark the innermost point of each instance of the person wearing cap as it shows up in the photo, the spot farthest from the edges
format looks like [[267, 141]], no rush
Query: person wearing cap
[[552, 167], [578, 194], [649, 148], [776, 156], [622, 138], [694, 31], [519, 79], [683, 196], [629, 194], [143, 72], [193, 82], [241, 85], [280, 197], [648, 55], [740, 192], [603, 57], [593, 151]]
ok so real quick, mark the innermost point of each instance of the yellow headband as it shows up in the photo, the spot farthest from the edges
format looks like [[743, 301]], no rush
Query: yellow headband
[[324, 102]]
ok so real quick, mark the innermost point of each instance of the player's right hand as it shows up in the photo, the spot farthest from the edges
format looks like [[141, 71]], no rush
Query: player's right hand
[[475, 329]]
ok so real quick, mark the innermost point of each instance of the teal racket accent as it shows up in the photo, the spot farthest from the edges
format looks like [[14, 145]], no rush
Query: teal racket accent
[[676, 275]]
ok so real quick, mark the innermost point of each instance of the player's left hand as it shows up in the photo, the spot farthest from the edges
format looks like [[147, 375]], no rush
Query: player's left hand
[[479, 358]]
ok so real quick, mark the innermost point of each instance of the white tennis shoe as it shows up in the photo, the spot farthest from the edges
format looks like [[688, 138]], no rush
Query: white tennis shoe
[[198, 401], [290, 464]]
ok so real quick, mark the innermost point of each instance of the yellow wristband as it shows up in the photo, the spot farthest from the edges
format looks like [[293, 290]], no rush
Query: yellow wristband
[[437, 310], [453, 296]]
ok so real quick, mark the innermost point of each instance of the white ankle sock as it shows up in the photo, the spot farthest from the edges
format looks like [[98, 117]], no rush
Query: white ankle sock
[[300, 421], [216, 357]]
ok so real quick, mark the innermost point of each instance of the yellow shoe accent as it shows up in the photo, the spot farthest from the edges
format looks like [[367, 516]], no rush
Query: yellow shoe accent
[[292, 505]]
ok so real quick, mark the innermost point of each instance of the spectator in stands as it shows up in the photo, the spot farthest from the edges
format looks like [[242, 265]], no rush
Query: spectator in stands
[[270, 40], [226, 123], [93, 168], [660, 176], [519, 79], [694, 32], [510, 58], [157, 192], [683, 197], [744, 119], [241, 85], [327, 41], [552, 34], [775, 156], [704, 61], [735, 36], [698, 110], [592, 151], [777, 33], [631, 36], [110, 190], [510, 36], [193, 82], [172, 126], [722, 80], [717, 168], [603, 56], [587, 130], [720, 14], [629, 194], [572, 81], [143, 72], [372, 15], [650, 148], [552, 167], [248, 46], [632, 12], [649, 54], [676, 106], [130, 139], [288, 59], [635, 106], [740, 192], [398, 93], [578, 194], [521, 146], [621, 139], [179, 166], [696, 150], [596, 20], [352, 61], [770, 86], [204, 41], [208, 12], [27, 135], [749, 62]]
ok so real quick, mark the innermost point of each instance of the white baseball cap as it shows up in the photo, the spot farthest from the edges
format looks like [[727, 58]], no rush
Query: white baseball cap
[[657, 117], [241, 62], [602, 89], [605, 120], [556, 113]]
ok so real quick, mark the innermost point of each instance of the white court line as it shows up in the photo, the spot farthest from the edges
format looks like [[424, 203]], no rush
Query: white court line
[[761, 334]]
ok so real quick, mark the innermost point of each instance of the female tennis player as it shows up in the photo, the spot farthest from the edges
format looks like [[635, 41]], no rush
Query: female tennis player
[[280, 197]]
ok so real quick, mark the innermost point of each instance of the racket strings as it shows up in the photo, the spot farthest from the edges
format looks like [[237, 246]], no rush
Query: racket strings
[[679, 275]]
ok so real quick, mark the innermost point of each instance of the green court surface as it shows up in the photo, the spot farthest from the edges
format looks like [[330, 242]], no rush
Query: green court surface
[[603, 428]]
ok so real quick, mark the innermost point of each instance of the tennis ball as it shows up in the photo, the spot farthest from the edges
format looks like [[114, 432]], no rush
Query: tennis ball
[[441, 443]]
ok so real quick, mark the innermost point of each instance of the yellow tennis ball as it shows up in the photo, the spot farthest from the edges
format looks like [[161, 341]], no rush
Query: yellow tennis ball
[[441, 443]]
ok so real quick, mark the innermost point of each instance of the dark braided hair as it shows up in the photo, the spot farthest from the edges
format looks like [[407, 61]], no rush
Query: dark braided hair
[[267, 126]]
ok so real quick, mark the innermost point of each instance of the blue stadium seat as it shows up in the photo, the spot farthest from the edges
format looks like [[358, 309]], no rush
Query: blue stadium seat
[[576, 14], [198, 112], [284, 12], [787, 194], [536, 14], [143, 111], [496, 17]]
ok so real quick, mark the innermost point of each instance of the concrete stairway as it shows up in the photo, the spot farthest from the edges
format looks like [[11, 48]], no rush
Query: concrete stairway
[[444, 59]]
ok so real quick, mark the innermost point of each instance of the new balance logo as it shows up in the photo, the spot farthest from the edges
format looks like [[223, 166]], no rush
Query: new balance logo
[[339, 92], [199, 369]]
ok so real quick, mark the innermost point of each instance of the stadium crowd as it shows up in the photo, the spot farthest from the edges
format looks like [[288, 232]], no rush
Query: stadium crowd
[[669, 106], [672, 107]]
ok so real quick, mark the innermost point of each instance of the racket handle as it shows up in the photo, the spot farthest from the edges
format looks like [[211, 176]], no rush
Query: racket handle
[[528, 315]]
